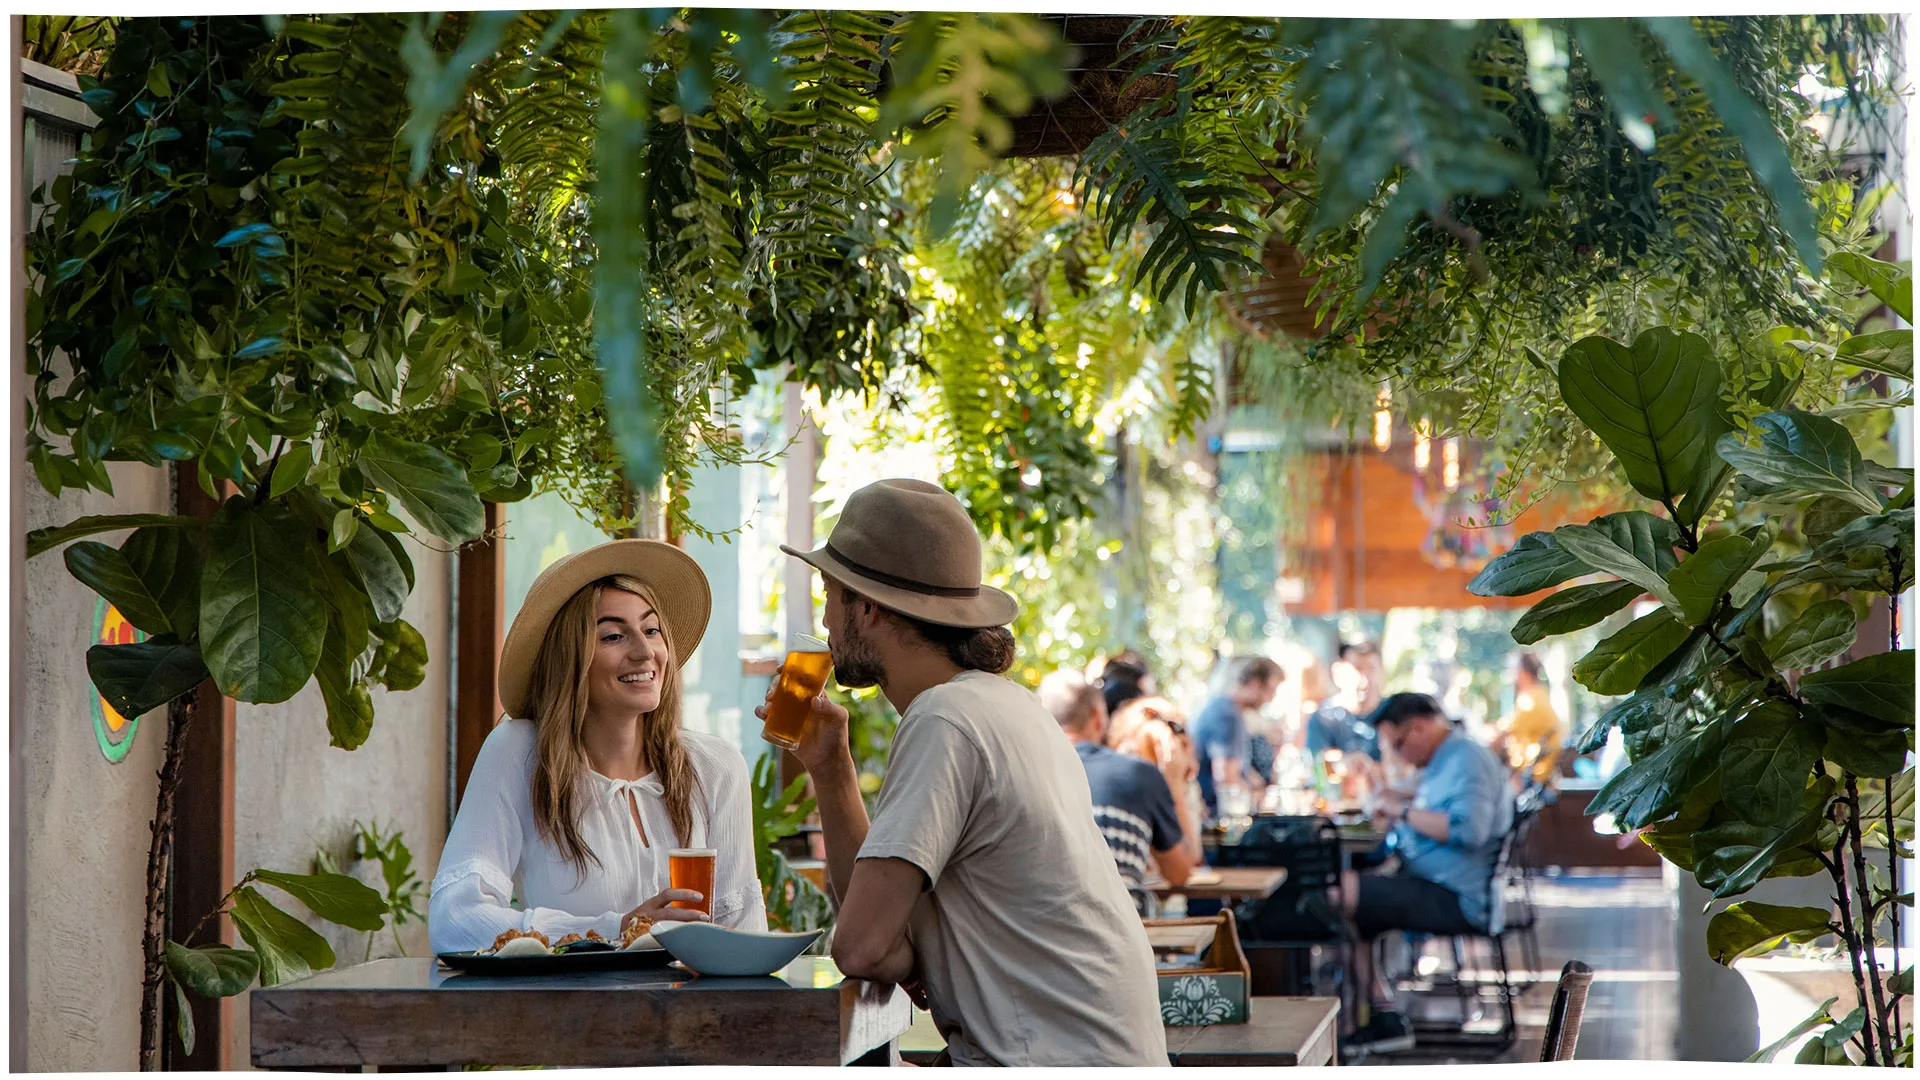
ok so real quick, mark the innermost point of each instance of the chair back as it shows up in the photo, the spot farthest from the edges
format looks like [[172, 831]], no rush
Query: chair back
[[1523, 815], [1563, 1018], [1309, 847]]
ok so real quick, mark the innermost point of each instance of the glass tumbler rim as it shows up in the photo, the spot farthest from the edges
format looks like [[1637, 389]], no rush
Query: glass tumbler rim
[[796, 642]]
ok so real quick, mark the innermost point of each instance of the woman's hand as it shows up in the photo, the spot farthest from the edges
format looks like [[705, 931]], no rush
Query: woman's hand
[[823, 741], [1177, 764], [659, 910]]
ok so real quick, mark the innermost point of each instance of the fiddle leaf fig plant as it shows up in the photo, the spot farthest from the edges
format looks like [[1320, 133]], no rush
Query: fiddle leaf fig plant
[[1767, 735]]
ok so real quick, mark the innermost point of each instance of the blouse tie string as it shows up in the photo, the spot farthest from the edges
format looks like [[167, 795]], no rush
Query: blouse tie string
[[618, 789]]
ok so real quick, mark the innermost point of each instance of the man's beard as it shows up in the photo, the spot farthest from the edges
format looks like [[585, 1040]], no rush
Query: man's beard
[[856, 663]]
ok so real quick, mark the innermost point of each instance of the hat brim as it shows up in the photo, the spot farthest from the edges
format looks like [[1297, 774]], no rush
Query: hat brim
[[991, 607], [679, 586]]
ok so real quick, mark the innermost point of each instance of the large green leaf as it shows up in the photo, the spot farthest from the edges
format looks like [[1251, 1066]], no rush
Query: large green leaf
[[1618, 664], [1750, 928], [1738, 855], [1711, 572], [168, 560], [1536, 562], [432, 487], [1889, 352], [1653, 787], [141, 676], [1860, 744], [1574, 609], [379, 572], [1872, 552], [40, 541], [1822, 632], [104, 570], [1827, 515], [334, 897], [1890, 282], [262, 620], [1656, 406], [1880, 686], [1633, 546], [1804, 452], [349, 629], [183, 1018], [289, 949], [1766, 761], [215, 971]]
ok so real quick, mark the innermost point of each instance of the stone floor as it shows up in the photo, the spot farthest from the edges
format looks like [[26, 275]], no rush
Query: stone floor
[[1620, 923]]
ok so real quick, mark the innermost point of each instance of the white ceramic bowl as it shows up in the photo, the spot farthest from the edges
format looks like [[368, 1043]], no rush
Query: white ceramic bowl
[[719, 950]]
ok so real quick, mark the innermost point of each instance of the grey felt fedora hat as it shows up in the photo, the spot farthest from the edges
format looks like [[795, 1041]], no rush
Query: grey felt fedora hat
[[910, 547]]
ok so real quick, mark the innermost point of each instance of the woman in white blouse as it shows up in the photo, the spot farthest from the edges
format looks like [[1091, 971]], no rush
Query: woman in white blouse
[[573, 805]]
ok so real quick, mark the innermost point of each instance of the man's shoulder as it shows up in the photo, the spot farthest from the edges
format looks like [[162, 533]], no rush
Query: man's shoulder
[[975, 699], [1217, 710]]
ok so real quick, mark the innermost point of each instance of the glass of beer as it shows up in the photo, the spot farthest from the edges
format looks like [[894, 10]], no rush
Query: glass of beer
[[692, 868], [801, 679]]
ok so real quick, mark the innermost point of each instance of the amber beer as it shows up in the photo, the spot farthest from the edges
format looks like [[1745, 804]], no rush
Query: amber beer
[[801, 679], [692, 868]]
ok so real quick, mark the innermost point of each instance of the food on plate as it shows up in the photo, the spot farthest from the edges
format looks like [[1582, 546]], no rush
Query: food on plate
[[568, 940], [637, 934], [523, 946], [521, 943]]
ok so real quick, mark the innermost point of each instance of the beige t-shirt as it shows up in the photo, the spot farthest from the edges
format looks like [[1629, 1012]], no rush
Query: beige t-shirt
[[1028, 943]]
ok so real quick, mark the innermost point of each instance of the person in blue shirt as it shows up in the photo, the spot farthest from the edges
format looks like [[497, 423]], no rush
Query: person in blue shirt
[[1133, 801], [1343, 721], [1220, 730], [1447, 835]]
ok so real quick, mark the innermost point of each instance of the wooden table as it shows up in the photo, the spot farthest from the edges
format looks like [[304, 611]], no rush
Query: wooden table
[[1236, 883], [1278, 1031], [412, 1012]]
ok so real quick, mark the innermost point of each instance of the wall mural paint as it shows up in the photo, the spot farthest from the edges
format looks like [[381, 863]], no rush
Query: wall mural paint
[[113, 731]]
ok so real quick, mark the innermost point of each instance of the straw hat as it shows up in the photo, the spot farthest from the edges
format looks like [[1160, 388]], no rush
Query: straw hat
[[910, 547], [676, 580]]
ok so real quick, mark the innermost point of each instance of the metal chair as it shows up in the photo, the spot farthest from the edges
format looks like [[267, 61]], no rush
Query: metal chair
[[1563, 1018], [1522, 916], [1291, 962], [1525, 810]]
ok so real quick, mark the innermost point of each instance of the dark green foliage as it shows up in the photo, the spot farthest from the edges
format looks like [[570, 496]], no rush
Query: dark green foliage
[[1797, 769]]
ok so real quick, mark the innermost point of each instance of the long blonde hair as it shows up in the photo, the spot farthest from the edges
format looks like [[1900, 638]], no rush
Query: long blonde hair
[[557, 686]]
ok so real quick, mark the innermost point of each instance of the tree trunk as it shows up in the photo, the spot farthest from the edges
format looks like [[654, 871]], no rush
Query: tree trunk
[[159, 859]]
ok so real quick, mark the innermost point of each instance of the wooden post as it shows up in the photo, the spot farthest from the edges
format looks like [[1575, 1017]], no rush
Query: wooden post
[[203, 865], [481, 606]]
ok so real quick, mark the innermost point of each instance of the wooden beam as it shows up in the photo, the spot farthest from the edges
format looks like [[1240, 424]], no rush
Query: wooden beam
[[202, 868], [482, 607]]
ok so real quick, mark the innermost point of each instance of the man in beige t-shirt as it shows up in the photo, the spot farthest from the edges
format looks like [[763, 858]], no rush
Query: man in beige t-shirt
[[982, 877]]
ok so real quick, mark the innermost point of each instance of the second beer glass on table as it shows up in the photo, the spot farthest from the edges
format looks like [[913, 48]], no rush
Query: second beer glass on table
[[801, 679]]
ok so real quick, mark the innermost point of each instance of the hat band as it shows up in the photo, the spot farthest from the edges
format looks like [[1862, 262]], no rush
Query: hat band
[[885, 578]]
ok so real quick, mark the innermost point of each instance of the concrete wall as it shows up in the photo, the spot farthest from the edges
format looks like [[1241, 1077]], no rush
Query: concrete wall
[[87, 820], [294, 792]]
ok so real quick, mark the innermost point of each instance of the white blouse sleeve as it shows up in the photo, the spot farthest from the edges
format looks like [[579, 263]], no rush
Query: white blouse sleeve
[[470, 902], [738, 901]]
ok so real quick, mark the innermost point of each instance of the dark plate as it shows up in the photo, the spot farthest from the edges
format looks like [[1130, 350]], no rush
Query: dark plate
[[482, 964]]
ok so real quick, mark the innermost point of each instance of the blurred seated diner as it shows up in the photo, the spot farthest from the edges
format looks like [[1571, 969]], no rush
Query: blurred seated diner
[[1150, 833]]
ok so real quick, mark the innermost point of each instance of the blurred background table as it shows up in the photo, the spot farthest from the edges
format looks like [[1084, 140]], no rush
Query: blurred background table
[[1225, 883]]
